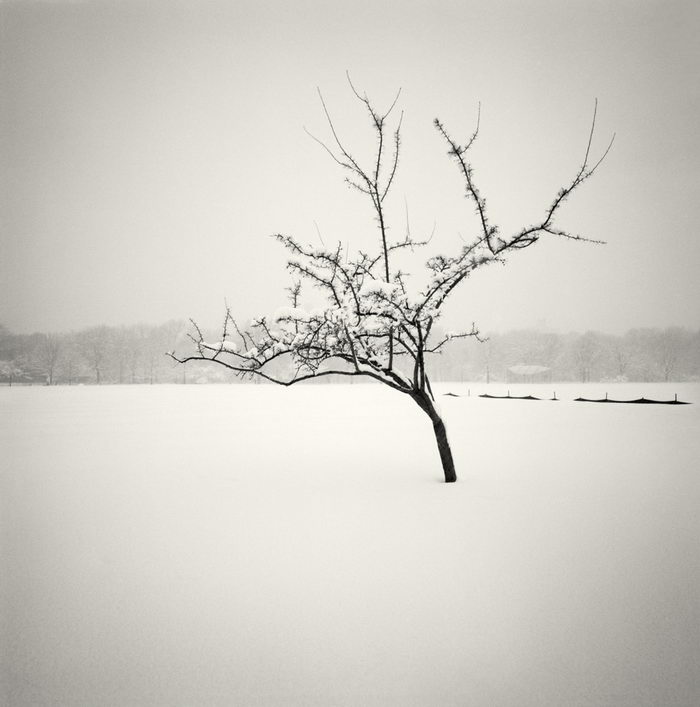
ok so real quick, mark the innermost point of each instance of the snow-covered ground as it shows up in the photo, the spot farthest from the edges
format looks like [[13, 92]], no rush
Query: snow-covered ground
[[253, 545]]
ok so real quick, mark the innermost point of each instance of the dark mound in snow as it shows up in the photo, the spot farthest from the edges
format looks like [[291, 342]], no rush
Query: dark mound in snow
[[638, 401]]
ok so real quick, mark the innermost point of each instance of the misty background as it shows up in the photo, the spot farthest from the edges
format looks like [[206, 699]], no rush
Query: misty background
[[136, 354], [150, 149], [208, 544]]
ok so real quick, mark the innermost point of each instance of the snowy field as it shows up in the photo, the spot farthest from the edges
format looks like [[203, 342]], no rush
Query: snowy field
[[252, 545]]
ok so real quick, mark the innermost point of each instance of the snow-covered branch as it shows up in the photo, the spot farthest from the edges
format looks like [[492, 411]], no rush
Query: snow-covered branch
[[368, 317]]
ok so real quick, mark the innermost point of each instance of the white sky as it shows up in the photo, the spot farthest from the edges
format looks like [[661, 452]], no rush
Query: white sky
[[149, 149]]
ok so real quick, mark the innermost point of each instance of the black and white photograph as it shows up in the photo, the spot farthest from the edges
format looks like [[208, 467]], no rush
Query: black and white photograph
[[349, 353]]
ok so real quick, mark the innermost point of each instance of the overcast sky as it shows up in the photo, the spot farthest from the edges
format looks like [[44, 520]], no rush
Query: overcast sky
[[148, 151]]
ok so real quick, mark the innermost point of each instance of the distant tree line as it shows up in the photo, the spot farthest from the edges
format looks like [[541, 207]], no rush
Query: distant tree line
[[645, 355], [137, 355], [97, 355]]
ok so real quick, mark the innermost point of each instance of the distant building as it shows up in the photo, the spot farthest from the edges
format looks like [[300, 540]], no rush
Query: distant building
[[528, 373]]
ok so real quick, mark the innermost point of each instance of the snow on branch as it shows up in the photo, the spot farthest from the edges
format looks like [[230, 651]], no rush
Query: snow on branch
[[527, 235], [368, 318]]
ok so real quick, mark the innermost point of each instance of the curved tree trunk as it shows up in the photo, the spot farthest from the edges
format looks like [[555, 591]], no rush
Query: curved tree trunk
[[425, 403], [443, 444]]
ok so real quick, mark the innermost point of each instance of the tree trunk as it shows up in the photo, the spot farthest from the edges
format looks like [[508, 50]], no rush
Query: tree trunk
[[448, 467]]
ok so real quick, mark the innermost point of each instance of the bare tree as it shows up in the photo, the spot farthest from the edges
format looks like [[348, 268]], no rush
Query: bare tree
[[121, 347], [72, 360], [156, 368], [14, 371], [47, 355], [587, 349], [371, 324], [93, 344], [670, 347], [621, 355]]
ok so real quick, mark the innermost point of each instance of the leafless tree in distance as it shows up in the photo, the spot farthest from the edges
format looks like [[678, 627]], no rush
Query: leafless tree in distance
[[47, 355], [371, 325], [93, 344], [670, 350], [587, 351]]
